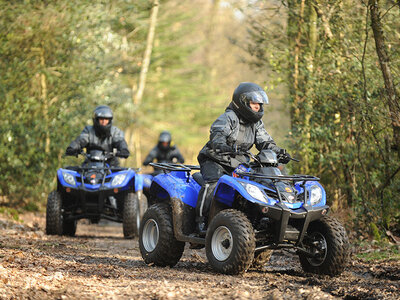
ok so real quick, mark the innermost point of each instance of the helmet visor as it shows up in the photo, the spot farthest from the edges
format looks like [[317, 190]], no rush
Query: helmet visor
[[255, 97], [164, 139], [103, 112]]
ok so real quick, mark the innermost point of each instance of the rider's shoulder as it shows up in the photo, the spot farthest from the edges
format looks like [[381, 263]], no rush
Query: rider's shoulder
[[116, 131], [229, 115], [88, 129]]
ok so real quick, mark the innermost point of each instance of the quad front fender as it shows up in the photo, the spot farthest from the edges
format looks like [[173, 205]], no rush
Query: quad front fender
[[138, 182], [228, 186]]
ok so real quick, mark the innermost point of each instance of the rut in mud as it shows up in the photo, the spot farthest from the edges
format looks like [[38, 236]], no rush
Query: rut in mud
[[99, 263]]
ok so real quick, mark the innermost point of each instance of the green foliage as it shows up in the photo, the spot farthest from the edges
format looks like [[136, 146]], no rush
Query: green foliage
[[52, 66], [10, 212], [383, 252], [375, 231], [340, 124]]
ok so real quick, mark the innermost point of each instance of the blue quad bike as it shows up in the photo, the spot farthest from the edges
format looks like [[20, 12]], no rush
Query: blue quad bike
[[254, 210], [96, 191]]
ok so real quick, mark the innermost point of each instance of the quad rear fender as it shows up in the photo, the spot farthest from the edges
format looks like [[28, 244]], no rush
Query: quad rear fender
[[174, 185]]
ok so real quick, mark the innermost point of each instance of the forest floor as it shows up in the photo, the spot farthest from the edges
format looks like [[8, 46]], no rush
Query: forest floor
[[100, 264]]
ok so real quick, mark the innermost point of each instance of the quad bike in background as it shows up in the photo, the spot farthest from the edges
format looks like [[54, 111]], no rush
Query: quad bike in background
[[95, 191], [254, 210]]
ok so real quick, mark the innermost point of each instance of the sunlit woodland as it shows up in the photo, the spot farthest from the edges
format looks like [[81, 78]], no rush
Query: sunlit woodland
[[330, 68]]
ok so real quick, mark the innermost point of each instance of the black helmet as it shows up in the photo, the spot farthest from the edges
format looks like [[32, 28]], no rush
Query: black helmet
[[102, 112], [243, 94], [165, 137]]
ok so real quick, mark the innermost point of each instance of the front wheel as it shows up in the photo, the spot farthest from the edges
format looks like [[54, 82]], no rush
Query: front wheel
[[69, 227], [134, 207], [230, 242], [327, 240], [157, 242], [131, 216], [54, 217]]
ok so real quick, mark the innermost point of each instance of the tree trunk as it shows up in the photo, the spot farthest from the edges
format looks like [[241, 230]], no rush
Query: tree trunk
[[137, 97], [45, 101], [210, 70], [384, 61]]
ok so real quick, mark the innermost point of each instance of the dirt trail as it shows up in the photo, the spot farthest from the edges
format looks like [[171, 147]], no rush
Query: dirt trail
[[100, 264]]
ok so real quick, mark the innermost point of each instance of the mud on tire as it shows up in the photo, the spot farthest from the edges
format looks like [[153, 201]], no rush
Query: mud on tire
[[331, 242], [157, 242], [54, 218], [230, 242], [261, 259]]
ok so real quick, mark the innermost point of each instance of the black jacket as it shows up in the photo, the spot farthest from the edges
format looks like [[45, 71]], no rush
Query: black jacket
[[229, 129], [89, 140], [164, 156]]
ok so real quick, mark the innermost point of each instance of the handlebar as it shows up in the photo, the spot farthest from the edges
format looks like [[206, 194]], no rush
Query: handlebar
[[249, 154], [174, 167]]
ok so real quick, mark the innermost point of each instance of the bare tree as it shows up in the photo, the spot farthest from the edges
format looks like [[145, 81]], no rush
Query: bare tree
[[137, 97], [384, 61]]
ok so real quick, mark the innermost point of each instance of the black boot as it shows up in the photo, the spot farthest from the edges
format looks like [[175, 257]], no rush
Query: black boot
[[201, 225]]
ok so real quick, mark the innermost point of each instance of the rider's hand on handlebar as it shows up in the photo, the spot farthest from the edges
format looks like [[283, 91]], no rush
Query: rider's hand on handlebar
[[283, 156], [123, 153], [223, 148], [72, 152]]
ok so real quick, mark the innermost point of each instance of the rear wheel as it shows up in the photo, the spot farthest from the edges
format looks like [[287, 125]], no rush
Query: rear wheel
[[54, 218], [230, 242], [327, 240], [157, 242]]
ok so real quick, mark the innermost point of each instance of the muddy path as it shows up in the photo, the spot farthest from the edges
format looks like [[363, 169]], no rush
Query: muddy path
[[99, 264]]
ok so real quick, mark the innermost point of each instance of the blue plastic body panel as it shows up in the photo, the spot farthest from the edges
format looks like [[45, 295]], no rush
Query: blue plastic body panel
[[147, 179], [131, 177], [178, 185]]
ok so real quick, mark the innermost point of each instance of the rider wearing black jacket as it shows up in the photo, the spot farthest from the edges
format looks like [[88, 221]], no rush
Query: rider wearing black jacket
[[101, 136], [164, 152], [238, 129]]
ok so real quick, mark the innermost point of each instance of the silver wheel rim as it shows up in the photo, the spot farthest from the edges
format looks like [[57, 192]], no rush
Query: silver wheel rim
[[319, 248], [222, 243], [150, 235]]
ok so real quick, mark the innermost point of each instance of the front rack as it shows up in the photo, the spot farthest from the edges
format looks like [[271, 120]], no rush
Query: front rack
[[174, 167], [296, 177]]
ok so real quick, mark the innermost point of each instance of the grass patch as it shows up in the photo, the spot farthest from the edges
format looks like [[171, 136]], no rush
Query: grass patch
[[10, 212], [391, 252]]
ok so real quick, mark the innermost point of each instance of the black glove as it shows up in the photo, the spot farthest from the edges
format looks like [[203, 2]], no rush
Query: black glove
[[283, 156], [72, 151], [124, 153], [223, 148]]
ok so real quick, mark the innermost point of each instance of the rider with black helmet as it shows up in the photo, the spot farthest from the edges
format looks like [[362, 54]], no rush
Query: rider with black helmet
[[101, 136], [238, 129], [164, 152]]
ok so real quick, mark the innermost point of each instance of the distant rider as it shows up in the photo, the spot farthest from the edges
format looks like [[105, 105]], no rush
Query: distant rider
[[101, 136], [238, 129], [164, 152]]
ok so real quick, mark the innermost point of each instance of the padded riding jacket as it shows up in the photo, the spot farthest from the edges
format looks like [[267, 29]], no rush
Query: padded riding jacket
[[229, 129]]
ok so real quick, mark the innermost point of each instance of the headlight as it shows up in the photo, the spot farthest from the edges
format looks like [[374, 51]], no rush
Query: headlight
[[118, 179], [256, 193], [69, 178], [315, 194]]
